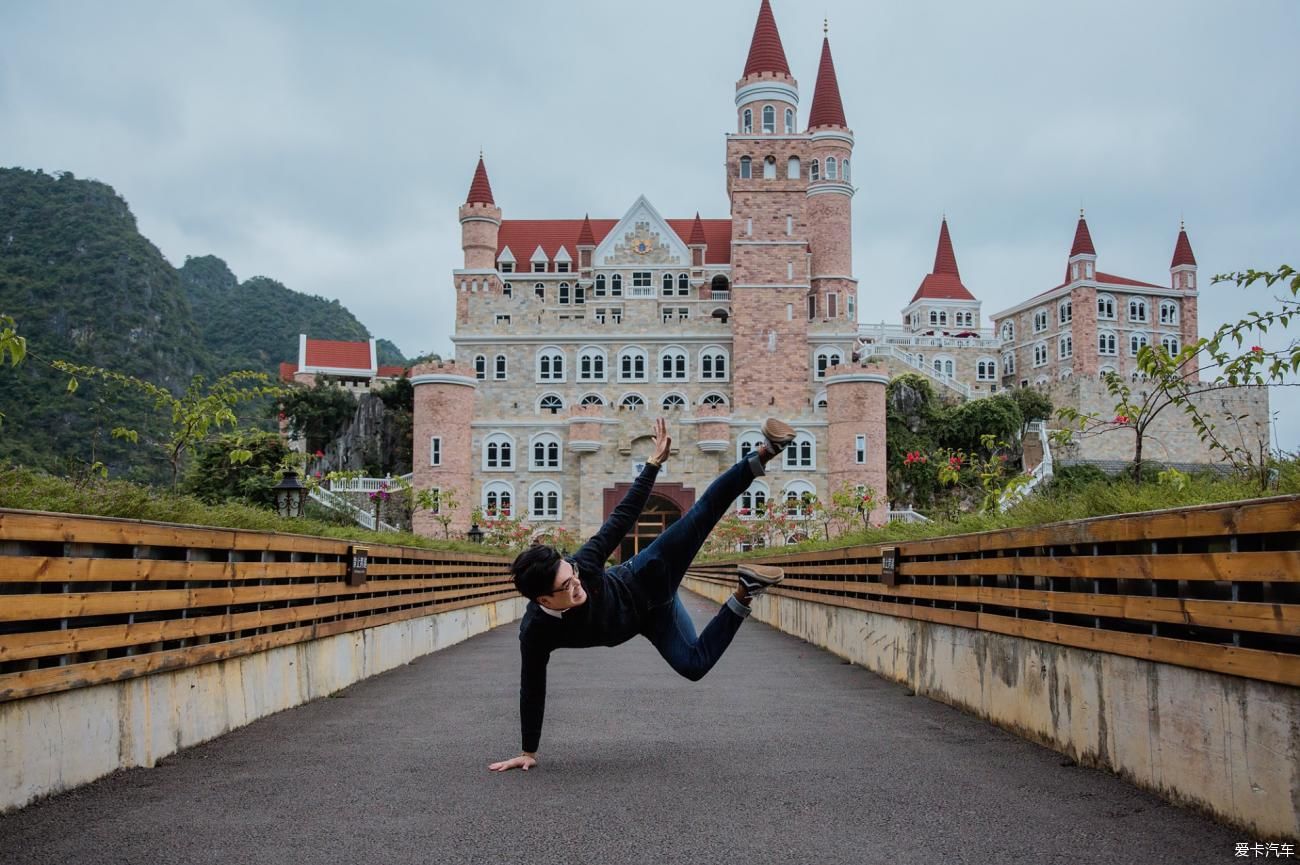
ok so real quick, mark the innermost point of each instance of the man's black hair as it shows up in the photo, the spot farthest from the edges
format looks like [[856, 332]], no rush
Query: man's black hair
[[534, 571]]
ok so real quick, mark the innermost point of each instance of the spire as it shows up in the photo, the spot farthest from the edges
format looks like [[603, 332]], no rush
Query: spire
[[480, 191], [697, 232], [1082, 239], [827, 109], [765, 51], [945, 261], [586, 237], [1182, 249]]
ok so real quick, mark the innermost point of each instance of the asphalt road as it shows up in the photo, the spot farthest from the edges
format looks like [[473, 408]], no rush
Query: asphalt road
[[782, 754]]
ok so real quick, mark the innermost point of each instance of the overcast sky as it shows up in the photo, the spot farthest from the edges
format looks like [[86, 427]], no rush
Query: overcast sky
[[327, 145]]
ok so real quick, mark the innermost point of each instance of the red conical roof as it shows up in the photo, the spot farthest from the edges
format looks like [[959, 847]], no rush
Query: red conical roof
[[480, 191], [765, 51], [827, 109], [697, 232], [1082, 239], [944, 283], [1183, 250], [585, 236], [945, 261]]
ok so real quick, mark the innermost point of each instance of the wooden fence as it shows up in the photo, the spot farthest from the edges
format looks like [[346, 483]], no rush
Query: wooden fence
[[1214, 587], [87, 600]]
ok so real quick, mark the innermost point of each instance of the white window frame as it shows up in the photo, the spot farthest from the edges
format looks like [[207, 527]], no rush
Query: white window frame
[[500, 368], [633, 351], [1040, 354], [550, 395], [747, 441], [1040, 320], [769, 120], [710, 398], [755, 497], [1106, 307], [800, 454], [1135, 343], [713, 353], [799, 488], [1138, 305], [546, 489], [1065, 346], [593, 398], [623, 401], [435, 450], [986, 363], [550, 354], [674, 395], [498, 488], [1107, 343], [498, 439], [746, 168], [747, 122], [1165, 342], [826, 357], [860, 449], [551, 462], [480, 367], [593, 354], [1168, 312], [789, 121], [680, 367]]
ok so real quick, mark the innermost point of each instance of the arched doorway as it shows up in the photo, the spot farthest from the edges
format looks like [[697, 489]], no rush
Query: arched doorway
[[665, 506]]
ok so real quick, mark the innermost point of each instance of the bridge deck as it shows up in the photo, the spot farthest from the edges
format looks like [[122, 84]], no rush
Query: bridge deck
[[783, 754]]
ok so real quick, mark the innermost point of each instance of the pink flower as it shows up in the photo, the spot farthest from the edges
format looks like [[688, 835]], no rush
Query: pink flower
[[744, 512], [1258, 349], [955, 461], [1121, 418], [320, 453]]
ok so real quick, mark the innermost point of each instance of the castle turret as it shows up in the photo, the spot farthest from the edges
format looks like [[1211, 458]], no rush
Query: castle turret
[[830, 192], [856, 439], [443, 446], [767, 96], [1182, 276], [480, 220], [1083, 257]]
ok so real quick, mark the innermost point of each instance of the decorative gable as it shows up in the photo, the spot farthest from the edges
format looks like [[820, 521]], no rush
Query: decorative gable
[[642, 236]]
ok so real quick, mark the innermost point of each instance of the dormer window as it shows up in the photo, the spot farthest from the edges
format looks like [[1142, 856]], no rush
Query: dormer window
[[562, 267], [539, 267], [506, 267]]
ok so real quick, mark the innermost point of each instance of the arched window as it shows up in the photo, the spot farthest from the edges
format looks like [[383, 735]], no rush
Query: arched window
[[769, 168], [546, 501], [1136, 342], [616, 285], [672, 364], [944, 366], [674, 401], [986, 369], [713, 400], [497, 499], [792, 168], [798, 497], [600, 285], [632, 402], [1009, 363], [631, 364], [748, 441], [1008, 331], [1040, 354], [550, 364], [1065, 346], [498, 452], [769, 119], [713, 363], [550, 403], [820, 402], [789, 121], [480, 367], [814, 170], [1105, 306], [844, 170], [753, 501], [1105, 371], [827, 357], [539, 290], [1137, 310], [564, 292], [1106, 343], [1169, 344], [830, 168], [499, 368], [593, 399], [802, 452], [1065, 312], [683, 284], [1168, 312], [546, 452], [1066, 373], [746, 168], [507, 290], [747, 121], [668, 285], [591, 364]]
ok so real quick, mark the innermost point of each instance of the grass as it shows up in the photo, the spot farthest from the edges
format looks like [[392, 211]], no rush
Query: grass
[[29, 489]]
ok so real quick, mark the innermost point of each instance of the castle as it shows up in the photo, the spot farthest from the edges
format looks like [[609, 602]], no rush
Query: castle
[[572, 334]]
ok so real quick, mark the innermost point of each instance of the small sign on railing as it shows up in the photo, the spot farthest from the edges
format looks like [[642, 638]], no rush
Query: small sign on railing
[[358, 562], [889, 566]]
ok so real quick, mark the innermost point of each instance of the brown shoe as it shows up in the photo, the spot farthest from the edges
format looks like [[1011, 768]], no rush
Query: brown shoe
[[778, 434], [756, 579]]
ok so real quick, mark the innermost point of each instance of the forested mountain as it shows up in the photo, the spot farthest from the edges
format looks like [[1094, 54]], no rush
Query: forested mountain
[[85, 286]]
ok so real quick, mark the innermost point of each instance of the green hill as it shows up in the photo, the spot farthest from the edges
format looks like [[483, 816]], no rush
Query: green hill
[[85, 286]]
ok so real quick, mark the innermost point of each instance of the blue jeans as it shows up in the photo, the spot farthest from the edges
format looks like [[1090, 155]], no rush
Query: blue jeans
[[659, 568]]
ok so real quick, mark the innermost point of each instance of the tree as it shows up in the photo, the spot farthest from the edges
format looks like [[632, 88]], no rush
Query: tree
[[442, 504], [1033, 404], [11, 345], [193, 415], [1175, 380], [318, 413], [852, 502], [243, 465]]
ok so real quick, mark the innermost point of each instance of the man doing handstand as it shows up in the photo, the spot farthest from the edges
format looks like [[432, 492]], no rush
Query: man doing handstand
[[576, 603]]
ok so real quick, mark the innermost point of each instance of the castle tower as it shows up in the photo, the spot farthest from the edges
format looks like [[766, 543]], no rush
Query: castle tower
[[942, 303], [442, 452], [768, 233], [480, 222], [1182, 276], [856, 438], [830, 192], [1082, 263]]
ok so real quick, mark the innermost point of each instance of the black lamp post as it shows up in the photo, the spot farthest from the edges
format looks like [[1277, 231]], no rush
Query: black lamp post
[[290, 496], [475, 534]]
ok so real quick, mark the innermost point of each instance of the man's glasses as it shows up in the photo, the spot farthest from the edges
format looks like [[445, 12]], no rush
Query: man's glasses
[[566, 587]]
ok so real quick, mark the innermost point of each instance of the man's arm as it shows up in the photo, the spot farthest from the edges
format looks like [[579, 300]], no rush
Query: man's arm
[[532, 705], [592, 555]]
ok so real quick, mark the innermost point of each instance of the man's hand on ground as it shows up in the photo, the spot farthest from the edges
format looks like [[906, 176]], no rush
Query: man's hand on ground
[[663, 441], [523, 761]]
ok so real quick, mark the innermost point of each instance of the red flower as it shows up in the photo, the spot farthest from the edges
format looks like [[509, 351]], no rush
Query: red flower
[[955, 461], [744, 512], [1258, 349], [1121, 418], [320, 453], [505, 512]]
